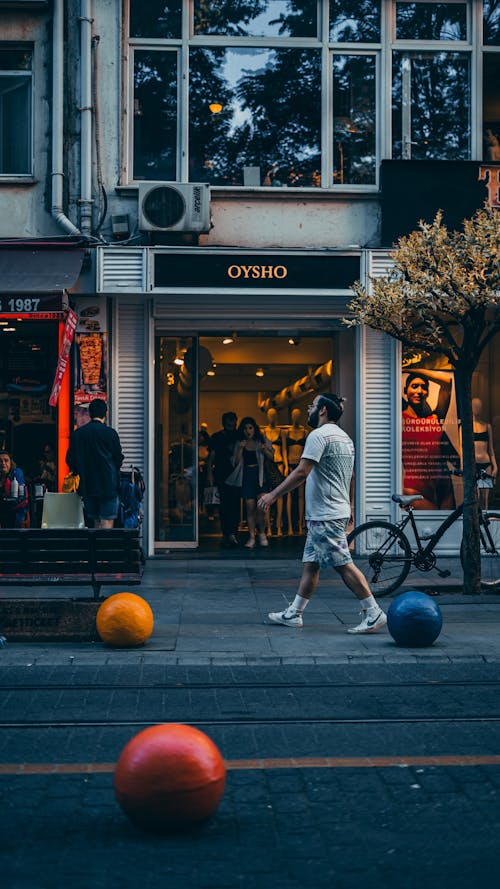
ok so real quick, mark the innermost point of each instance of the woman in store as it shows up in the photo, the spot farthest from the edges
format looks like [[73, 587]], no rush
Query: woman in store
[[250, 450], [295, 440], [427, 449], [276, 435], [485, 454], [13, 495]]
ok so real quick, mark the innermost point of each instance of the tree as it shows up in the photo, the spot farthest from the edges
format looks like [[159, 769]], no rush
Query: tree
[[443, 294]]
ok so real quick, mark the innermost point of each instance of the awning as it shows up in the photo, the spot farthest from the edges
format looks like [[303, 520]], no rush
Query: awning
[[45, 268]]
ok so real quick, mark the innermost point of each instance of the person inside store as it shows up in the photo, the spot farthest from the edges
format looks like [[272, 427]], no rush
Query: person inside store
[[219, 467], [48, 468], [485, 454], [276, 435], [95, 454], [13, 495], [248, 459], [203, 455], [427, 450], [295, 440]]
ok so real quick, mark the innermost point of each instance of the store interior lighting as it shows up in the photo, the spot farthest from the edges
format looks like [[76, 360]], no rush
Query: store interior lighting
[[294, 340], [229, 339], [259, 372]]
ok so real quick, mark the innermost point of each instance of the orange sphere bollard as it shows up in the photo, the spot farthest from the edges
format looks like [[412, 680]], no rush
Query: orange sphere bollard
[[169, 776], [124, 619]]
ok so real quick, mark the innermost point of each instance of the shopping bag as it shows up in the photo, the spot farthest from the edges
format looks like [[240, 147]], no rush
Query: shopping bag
[[211, 496]]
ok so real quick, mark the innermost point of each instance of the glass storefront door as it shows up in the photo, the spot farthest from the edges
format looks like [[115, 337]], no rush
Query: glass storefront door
[[176, 518]]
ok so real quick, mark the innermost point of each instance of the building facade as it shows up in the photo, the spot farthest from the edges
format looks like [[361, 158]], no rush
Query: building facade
[[202, 184]]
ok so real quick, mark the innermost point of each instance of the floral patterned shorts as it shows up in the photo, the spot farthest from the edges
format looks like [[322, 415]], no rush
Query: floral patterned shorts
[[326, 544]]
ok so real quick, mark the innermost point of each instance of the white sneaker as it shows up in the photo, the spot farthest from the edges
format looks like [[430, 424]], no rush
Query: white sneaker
[[263, 540], [290, 617], [373, 619]]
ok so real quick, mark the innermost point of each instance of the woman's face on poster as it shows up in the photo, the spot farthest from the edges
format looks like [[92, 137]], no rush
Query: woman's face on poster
[[417, 391]]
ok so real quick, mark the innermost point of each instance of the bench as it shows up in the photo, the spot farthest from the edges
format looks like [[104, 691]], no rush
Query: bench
[[95, 556]]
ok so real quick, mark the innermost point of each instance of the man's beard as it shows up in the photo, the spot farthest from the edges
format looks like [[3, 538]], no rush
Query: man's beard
[[313, 418]]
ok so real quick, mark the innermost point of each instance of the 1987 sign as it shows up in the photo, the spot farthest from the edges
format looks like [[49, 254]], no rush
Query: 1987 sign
[[22, 304]]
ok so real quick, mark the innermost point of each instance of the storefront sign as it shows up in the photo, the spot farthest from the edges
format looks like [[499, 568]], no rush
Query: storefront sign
[[69, 332], [32, 306], [265, 270], [415, 190]]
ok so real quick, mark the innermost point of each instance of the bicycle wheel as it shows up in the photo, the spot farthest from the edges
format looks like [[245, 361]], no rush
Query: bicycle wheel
[[490, 550], [382, 553]]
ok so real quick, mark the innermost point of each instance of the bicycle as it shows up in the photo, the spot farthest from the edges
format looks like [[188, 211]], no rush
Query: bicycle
[[382, 550]]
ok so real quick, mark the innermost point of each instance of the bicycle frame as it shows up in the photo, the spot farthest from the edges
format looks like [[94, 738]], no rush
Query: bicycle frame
[[438, 534]]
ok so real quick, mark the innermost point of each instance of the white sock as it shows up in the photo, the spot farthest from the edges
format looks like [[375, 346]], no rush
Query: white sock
[[299, 603], [368, 603]]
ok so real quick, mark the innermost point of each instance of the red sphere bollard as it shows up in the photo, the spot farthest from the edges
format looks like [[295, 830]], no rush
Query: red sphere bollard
[[169, 776]]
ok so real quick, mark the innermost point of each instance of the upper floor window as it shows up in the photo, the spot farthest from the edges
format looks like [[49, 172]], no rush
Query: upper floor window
[[15, 111], [431, 21], [291, 93]]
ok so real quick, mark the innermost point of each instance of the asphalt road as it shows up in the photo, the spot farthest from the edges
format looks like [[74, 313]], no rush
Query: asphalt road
[[338, 776]]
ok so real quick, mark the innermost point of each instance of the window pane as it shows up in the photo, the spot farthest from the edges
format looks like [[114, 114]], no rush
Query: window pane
[[270, 18], [354, 119], [15, 59], [491, 14], [155, 115], [354, 21], [15, 125], [491, 106], [155, 18], [431, 101], [268, 118], [431, 21]]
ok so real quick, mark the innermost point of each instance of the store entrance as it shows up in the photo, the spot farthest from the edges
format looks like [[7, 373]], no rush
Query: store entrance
[[269, 378], [28, 425]]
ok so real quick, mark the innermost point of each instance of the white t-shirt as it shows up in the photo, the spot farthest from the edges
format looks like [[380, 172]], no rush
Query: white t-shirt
[[328, 483]]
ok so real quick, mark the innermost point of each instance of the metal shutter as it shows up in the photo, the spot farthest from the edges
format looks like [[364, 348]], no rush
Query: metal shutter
[[380, 421], [129, 364]]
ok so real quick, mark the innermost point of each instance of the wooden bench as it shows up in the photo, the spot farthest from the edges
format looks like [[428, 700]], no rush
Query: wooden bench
[[37, 556]]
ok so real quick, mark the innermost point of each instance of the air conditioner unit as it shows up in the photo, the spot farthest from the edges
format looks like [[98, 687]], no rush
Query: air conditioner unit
[[174, 207]]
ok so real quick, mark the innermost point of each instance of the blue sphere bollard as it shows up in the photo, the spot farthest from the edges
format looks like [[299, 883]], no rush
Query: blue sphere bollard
[[414, 620]]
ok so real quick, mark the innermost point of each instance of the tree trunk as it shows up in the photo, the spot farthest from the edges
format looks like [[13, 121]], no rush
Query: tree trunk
[[470, 540]]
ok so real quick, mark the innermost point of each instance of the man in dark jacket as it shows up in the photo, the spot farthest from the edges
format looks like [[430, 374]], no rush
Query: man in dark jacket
[[95, 454]]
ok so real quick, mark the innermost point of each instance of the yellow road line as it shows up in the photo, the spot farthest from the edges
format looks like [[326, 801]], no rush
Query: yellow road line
[[305, 762]]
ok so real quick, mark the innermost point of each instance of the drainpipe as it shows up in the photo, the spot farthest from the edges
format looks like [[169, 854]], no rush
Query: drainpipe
[[58, 120], [86, 117]]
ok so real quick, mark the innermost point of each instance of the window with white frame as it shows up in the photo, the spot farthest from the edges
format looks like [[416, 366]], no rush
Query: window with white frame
[[15, 111], [290, 93]]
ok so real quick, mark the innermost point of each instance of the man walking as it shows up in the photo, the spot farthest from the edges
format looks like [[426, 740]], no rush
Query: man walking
[[95, 454], [327, 468], [220, 466]]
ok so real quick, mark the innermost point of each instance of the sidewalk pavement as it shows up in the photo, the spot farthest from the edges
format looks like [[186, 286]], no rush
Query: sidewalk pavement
[[214, 612]]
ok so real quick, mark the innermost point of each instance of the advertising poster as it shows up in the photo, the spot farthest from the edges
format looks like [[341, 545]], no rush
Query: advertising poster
[[91, 357], [430, 438]]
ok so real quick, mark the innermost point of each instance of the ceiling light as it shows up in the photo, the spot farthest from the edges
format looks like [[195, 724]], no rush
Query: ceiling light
[[9, 329], [294, 340], [259, 372], [179, 360], [229, 339], [3, 322], [210, 373]]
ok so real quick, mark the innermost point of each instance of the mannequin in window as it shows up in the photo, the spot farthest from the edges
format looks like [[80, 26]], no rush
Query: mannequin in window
[[295, 440], [276, 435], [485, 455], [493, 147]]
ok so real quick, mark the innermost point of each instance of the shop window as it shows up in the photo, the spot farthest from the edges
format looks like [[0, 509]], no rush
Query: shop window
[[273, 18], [15, 112], [431, 106], [155, 115], [255, 108], [431, 21], [354, 119], [491, 107], [355, 21]]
